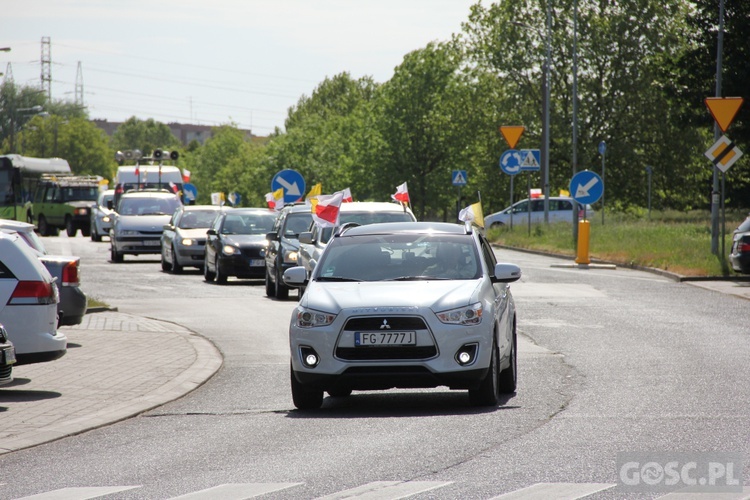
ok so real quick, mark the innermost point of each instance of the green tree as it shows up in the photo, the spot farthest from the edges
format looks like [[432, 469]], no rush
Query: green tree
[[144, 135], [17, 106], [77, 140]]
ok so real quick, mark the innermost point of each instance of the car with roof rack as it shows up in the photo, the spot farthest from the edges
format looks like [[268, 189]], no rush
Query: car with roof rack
[[282, 250], [65, 202], [404, 305]]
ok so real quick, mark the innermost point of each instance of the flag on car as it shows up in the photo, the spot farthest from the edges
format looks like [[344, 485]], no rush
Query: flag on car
[[402, 194], [217, 199], [316, 190], [270, 200], [185, 175], [472, 213], [326, 208], [347, 196], [278, 198]]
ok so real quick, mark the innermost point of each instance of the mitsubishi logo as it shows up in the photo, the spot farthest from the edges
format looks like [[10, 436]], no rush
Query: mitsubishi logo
[[385, 325]]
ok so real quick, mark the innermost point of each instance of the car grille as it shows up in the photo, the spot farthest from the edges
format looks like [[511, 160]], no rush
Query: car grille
[[396, 323], [252, 252]]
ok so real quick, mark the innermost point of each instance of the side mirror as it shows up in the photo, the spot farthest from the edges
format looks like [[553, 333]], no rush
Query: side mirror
[[110, 205], [272, 236], [295, 276], [506, 273], [211, 232], [306, 238], [167, 226]]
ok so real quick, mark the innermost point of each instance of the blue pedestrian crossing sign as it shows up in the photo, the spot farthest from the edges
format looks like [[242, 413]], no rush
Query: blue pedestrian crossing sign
[[510, 162], [459, 177], [530, 160], [586, 187], [235, 198], [292, 182]]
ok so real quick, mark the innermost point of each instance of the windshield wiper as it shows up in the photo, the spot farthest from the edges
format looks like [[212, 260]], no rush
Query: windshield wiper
[[335, 278]]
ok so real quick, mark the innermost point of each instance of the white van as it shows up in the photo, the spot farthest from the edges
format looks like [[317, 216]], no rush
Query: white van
[[139, 177]]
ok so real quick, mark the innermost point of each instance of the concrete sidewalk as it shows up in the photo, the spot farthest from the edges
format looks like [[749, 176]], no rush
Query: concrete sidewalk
[[117, 366]]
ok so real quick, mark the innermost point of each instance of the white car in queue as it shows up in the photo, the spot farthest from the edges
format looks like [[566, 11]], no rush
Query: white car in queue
[[28, 303], [404, 305]]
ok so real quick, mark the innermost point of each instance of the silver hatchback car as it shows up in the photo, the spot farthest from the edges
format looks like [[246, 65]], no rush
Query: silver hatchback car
[[404, 305]]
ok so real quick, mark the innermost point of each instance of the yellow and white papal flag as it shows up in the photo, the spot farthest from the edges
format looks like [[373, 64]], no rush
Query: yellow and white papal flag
[[472, 213]]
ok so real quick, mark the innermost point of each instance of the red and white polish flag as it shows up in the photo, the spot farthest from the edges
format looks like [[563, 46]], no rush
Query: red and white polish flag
[[402, 194]]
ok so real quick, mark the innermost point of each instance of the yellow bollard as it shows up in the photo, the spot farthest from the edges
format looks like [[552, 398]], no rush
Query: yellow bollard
[[584, 230]]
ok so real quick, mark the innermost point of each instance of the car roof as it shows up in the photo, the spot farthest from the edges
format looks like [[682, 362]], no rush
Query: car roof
[[252, 210], [406, 227], [191, 208], [373, 206], [148, 194], [14, 225], [297, 207]]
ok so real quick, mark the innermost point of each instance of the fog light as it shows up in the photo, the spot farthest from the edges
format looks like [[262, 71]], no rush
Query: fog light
[[467, 354], [309, 357]]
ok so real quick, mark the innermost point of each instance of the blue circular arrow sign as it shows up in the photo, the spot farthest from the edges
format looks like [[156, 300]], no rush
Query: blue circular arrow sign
[[586, 187], [292, 182], [510, 162], [189, 193]]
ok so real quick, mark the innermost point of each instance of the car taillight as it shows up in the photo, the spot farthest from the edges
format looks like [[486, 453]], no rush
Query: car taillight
[[70, 274], [34, 293], [82, 211], [744, 247]]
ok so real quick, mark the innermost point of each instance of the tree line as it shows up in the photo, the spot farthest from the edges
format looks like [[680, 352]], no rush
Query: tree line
[[644, 68]]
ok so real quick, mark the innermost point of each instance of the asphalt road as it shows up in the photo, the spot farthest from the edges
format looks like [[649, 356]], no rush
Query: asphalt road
[[611, 361]]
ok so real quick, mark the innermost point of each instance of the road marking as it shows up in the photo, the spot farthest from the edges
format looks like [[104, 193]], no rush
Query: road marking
[[387, 490], [79, 493], [558, 491], [237, 491]]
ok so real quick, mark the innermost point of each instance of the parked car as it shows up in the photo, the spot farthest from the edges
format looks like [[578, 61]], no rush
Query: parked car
[[283, 247], [7, 357], [183, 242], [740, 253], [404, 305], [560, 210], [28, 303], [65, 202], [236, 244], [139, 222], [313, 242], [64, 268], [101, 215]]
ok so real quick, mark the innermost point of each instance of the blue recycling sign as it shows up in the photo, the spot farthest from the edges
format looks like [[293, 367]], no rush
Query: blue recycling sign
[[510, 162], [292, 182], [586, 187], [459, 177]]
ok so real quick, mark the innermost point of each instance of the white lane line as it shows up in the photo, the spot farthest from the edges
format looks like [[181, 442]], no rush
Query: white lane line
[[79, 493], [387, 490], [556, 491], [237, 491]]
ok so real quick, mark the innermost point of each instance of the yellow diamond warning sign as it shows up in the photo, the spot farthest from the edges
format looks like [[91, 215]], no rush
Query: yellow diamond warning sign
[[723, 153], [724, 109]]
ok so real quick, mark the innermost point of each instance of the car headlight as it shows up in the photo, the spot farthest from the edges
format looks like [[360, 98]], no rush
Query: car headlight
[[106, 218], [309, 318], [468, 315], [128, 232], [188, 242], [230, 250], [290, 256]]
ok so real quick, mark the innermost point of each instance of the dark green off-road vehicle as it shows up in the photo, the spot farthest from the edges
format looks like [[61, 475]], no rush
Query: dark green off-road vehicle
[[65, 202]]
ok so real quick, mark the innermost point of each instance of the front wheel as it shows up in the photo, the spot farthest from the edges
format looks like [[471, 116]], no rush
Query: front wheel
[[94, 234], [221, 278], [487, 394], [282, 291], [508, 378], [270, 288], [70, 228], [165, 266], [208, 276], [304, 397], [115, 256], [176, 267]]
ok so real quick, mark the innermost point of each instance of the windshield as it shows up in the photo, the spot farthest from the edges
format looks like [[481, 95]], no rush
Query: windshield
[[260, 223], [80, 193], [297, 223], [148, 206], [198, 219], [399, 257]]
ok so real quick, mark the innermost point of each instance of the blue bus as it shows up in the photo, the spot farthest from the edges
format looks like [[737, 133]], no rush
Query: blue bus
[[19, 176]]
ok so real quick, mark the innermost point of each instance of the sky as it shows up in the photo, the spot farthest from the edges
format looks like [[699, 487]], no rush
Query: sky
[[213, 62]]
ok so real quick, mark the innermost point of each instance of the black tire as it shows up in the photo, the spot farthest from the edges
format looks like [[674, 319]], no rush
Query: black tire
[[86, 231], [304, 397], [115, 256], [165, 266], [69, 227], [487, 394], [92, 231], [340, 393], [43, 227], [282, 291], [176, 267], [208, 275], [221, 278], [508, 378], [497, 225], [270, 288]]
